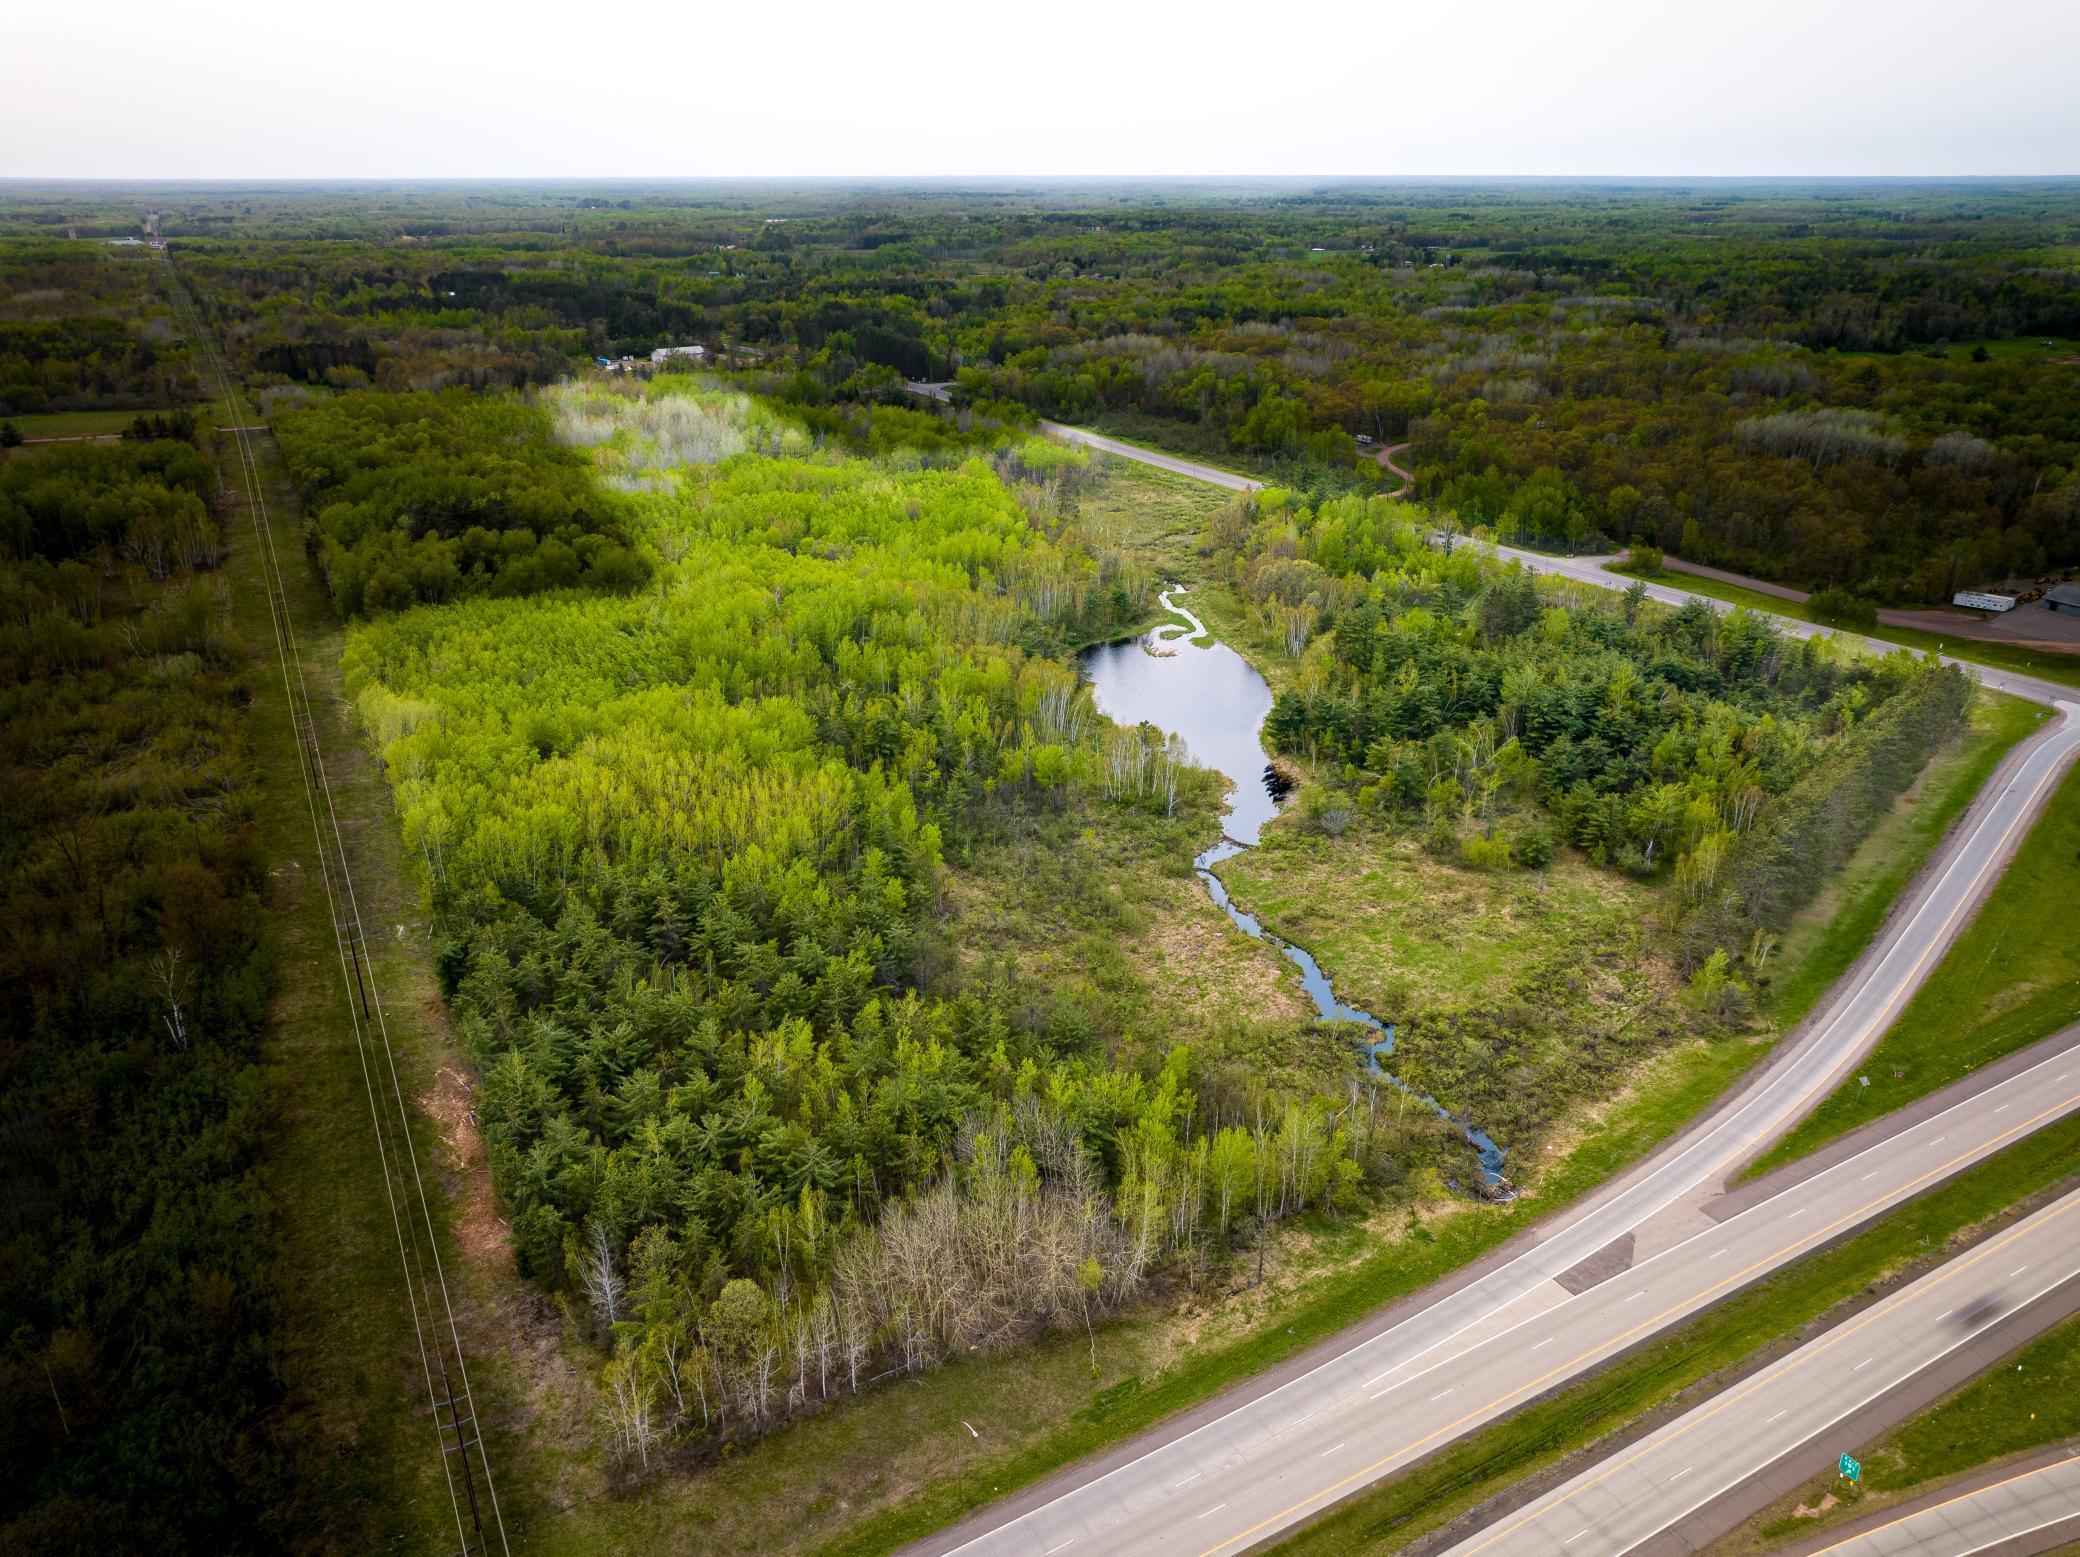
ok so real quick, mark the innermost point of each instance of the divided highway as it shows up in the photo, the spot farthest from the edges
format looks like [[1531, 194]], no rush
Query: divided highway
[[1672, 1473], [1564, 1300], [2035, 1511], [1379, 1407]]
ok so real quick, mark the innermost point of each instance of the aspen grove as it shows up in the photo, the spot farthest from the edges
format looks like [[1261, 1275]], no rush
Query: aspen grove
[[682, 844]]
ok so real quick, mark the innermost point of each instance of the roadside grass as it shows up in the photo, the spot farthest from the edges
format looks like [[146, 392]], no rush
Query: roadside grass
[[2029, 1399], [357, 1396], [2011, 978], [71, 424], [1679, 1370], [2062, 668], [1833, 930]]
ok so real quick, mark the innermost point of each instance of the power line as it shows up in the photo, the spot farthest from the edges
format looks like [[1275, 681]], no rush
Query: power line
[[465, 1463]]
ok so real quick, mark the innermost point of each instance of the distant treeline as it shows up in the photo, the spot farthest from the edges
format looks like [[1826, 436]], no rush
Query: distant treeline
[[1567, 366]]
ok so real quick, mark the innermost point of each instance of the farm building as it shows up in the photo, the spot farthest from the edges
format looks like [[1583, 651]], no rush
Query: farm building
[[2066, 598]]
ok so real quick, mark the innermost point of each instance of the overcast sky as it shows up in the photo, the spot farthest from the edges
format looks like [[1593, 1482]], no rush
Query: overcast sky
[[689, 88]]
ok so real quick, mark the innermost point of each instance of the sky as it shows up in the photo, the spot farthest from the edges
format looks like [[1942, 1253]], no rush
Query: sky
[[218, 89]]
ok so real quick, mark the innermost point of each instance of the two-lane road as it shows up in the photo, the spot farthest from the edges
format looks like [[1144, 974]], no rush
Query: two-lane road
[[1591, 570]]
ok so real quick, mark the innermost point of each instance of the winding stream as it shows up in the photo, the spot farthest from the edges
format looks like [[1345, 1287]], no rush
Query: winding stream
[[1187, 683]]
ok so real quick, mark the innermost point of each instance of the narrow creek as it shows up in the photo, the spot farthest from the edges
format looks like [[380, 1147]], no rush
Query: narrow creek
[[1187, 683]]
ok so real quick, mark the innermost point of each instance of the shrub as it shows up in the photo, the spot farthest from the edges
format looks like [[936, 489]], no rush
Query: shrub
[[1325, 810], [1487, 851], [1642, 558], [1842, 608], [1534, 846]]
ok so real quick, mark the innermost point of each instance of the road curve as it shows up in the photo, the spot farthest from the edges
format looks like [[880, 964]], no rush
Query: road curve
[[1384, 458], [1790, 1406], [1097, 1506]]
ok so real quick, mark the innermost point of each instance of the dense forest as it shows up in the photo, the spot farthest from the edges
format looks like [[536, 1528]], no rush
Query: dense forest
[[85, 327], [1502, 718], [686, 846], [1862, 387], [137, 1385], [695, 701], [490, 503]]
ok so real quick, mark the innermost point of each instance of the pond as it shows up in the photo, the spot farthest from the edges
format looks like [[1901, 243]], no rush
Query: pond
[[1187, 683]]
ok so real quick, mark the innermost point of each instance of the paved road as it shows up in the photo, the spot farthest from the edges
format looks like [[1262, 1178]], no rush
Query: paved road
[[2026, 627], [1241, 1480], [1126, 451], [1789, 1406], [2026, 1510], [1153, 1496], [1590, 570]]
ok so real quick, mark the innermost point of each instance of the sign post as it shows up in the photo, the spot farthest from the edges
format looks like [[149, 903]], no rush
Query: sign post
[[1851, 1468]]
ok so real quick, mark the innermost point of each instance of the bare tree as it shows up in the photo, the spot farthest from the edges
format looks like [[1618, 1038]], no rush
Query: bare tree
[[602, 1277]]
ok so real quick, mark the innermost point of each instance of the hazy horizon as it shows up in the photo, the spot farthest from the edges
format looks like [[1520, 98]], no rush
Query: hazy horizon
[[237, 91]]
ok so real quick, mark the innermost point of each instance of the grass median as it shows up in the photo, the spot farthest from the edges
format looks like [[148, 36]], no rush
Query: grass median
[[2010, 979], [1685, 1366], [1833, 932], [2030, 1399]]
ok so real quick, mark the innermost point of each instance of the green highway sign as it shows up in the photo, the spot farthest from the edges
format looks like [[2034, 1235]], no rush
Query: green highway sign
[[1851, 1468]]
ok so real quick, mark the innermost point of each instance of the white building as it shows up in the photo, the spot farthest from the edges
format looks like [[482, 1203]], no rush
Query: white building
[[666, 353]]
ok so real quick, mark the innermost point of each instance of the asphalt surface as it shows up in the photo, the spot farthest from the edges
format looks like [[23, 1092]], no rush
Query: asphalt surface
[[1676, 1471], [1128, 451], [2033, 1511], [1255, 1473], [1590, 570], [1240, 1476]]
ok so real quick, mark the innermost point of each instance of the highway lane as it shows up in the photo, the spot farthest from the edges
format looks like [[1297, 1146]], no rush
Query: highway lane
[[1667, 1476], [1858, 1011], [1085, 1505], [2033, 1504], [1242, 1479]]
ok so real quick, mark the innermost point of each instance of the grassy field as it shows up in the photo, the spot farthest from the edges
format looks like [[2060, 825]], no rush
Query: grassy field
[[2028, 1400], [2022, 348], [1833, 930], [2007, 981], [71, 424], [1683, 1368], [2062, 668], [352, 1371], [1401, 929]]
